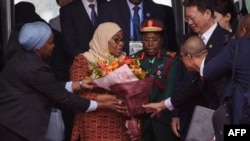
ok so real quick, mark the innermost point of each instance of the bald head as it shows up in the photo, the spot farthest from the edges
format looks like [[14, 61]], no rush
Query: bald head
[[244, 27], [193, 45]]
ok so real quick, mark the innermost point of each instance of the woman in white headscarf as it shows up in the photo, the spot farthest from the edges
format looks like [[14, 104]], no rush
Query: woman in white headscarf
[[105, 125]]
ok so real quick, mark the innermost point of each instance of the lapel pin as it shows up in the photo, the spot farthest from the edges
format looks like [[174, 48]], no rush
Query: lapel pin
[[210, 46]]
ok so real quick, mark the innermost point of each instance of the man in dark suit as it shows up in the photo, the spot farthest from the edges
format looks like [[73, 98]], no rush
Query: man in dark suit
[[28, 88], [77, 28], [194, 55], [122, 13], [223, 62], [199, 15]]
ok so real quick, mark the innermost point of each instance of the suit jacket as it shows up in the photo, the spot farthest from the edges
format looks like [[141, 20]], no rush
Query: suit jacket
[[223, 63], [59, 59], [217, 41], [27, 89], [194, 92], [118, 11], [77, 28], [214, 45]]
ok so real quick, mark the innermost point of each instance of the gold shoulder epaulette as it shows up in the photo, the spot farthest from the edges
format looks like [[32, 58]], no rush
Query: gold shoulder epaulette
[[172, 54]]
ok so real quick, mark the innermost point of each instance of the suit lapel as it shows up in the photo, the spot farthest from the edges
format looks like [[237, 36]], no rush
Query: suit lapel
[[213, 36], [146, 10]]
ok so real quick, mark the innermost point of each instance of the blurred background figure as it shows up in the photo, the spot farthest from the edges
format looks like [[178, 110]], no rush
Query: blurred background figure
[[59, 59], [25, 12], [55, 22], [225, 14], [241, 8]]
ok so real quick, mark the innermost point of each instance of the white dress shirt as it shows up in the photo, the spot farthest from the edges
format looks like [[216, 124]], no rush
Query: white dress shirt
[[168, 102], [206, 36], [93, 104]]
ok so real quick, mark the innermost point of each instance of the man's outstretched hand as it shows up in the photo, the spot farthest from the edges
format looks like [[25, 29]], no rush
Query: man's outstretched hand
[[154, 108]]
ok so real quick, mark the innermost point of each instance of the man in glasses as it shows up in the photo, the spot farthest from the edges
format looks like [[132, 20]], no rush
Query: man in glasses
[[194, 54], [199, 16]]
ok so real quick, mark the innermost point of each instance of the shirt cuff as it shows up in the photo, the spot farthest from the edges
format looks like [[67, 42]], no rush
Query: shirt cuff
[[68, 86], [202, 66], [92, 106], [169, 104]]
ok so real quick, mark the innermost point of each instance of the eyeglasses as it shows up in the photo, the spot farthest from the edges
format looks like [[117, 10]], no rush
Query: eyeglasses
[[193, 18], [155, 39], [181, 55], [118, 40]]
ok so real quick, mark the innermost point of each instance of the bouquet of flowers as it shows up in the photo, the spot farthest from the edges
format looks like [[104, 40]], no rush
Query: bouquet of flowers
[[102, 68], [125, 77]]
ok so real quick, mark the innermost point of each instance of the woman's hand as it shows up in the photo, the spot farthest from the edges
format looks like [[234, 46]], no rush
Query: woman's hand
[[83, 84], [87, 84], [105, 97], [112, 102]]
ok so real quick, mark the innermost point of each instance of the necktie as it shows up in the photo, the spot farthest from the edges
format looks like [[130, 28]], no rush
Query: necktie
[[136, 23], [93, 14]]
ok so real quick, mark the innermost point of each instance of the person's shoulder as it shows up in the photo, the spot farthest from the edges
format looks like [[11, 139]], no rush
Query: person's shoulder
[[244, 41], [104, 1], [221, 30], [138, 54], [71, 5], [171, 54], [150, 3], [222, 33], [108, 5], [115, 3]]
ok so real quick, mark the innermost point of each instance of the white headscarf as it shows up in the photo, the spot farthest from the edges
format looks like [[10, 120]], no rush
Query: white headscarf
[[98, 46]]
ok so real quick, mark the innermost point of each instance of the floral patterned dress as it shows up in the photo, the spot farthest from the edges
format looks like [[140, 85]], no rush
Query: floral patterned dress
[[100, 125]]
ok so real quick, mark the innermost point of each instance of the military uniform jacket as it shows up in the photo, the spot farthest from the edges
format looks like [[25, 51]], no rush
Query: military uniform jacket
[[157, 69]]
